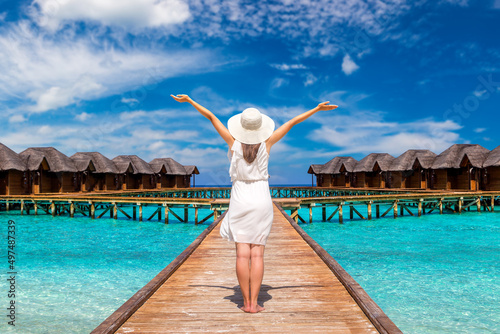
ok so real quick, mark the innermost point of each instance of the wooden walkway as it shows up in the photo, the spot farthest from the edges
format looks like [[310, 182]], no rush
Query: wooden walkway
[[301, 291]]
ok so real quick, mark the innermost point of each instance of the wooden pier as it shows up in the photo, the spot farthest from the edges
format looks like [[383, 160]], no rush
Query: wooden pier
[[304, 291]]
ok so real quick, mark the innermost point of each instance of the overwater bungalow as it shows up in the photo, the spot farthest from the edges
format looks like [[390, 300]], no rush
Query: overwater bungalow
[[98, 172], [14, 178], [136, 173], [171, 174], [491, 170], [459, 167], [371, 171], [411, 170], [50, 170], [334, 173]]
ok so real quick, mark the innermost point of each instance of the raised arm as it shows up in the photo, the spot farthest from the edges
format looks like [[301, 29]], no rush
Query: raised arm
[[221, 129], [283, 130]]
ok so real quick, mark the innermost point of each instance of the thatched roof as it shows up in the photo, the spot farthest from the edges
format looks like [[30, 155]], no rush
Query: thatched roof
[[406, 160], [57, 161], [315, 169], [191, 169], [366, 164], [100, 162], [172, 167], [10, 159], [333, 166], [452, 157], [493, 158], [139, 166]]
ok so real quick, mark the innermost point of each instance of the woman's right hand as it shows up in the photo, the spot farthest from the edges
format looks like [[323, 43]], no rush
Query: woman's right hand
[[325, 106], [181, 97]]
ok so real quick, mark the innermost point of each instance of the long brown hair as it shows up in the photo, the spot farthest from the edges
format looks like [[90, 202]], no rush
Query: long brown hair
[[250, 151]]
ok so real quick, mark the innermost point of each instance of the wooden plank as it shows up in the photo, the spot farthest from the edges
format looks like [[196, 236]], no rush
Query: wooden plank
[[300, 291]]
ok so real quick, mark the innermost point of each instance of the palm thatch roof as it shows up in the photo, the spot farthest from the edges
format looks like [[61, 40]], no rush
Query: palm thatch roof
[[100, 162], [333, 166], [10, 160], [452, 157], [493, 158], [406, 160], [138, 165], [172, 167], [57, 161], [367, 164]]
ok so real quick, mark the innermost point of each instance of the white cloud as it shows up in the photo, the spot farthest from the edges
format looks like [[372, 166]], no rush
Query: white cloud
[[53, 71], [129, 14], [17, 118], [279, 82], [288, 67], [83, 116], [310, 79], [479, 130], [3, 16], [129, 101], [348, 65]]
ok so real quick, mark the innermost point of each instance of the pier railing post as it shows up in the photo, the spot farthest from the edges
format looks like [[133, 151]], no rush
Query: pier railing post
[[341, 214], [165, 208]]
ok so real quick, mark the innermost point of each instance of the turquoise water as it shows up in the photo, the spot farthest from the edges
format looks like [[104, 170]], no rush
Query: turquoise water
[[430, 274], [72, 273]]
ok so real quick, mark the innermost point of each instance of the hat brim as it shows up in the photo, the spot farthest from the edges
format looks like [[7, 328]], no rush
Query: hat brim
[[250, 136]]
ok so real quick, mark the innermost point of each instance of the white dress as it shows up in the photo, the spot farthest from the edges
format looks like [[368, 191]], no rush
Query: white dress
[[250, 214]]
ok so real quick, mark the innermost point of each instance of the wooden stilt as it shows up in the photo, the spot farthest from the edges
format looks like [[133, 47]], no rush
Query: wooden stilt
[[377, 211], [478, 203], [395, 209], [140, 212], [92, 210], [134, 212], [165, 208], [216, 214], [420, 206], [35, 206], [310, 214], [22, 207], [441, 206], [492, 203], [341, 215], [52, 208], [196, 214], [186, 213], [115, 211], [323, 211], [401, 210], [7, 205], [369, 209], [159, 212], [460, 200]]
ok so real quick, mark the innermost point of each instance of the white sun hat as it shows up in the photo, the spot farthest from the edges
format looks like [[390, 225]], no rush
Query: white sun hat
[[251, 126]]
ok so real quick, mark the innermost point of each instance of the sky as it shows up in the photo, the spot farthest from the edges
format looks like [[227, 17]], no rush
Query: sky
[[96, 75]]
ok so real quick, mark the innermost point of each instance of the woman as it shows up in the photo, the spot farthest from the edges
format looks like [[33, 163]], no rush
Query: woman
[[250, 136]]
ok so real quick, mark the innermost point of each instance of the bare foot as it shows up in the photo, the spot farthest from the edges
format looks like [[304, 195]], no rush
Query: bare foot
[[257, 308], [245, 308]]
